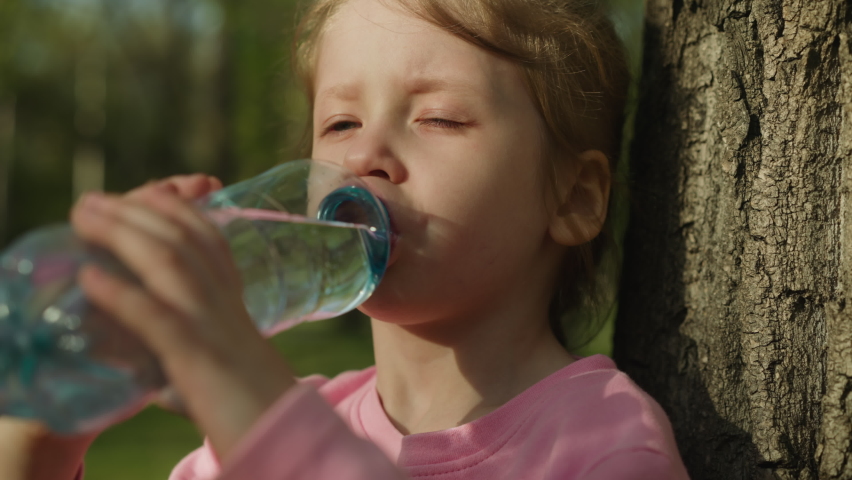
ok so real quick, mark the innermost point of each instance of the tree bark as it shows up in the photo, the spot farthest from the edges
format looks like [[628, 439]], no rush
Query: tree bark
[[736, 303]]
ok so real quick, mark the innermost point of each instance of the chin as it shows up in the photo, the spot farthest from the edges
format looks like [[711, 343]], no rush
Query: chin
[[408, 311], [386, 311], [394, 307], [407, 296]]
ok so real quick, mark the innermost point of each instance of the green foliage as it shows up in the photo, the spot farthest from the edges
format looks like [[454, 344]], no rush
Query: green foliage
[[187, 85], [145, 447]]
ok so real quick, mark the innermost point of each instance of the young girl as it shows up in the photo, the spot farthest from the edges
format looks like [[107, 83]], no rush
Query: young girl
[[488, 127]]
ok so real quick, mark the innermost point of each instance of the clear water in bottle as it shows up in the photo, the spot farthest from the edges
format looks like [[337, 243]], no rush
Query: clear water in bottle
[[309, 240], [328, 266]]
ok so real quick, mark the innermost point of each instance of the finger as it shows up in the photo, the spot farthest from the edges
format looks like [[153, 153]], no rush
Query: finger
[[189, 187], [173, 270], [194, 186], [215, 183], [204, 232], [175, 223], [178, 209], [160, 327], [170, 400], [154, 186]]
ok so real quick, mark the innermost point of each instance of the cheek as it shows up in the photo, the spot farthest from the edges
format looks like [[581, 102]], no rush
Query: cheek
[[329, 149], [487, 213], [324, 152]]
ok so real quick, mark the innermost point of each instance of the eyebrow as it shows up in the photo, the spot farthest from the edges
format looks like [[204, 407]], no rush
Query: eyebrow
[[414, 85], [341, 91], [418, 85]]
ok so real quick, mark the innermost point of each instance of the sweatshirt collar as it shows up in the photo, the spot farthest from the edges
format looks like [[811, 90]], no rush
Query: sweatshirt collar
[[471, 439]]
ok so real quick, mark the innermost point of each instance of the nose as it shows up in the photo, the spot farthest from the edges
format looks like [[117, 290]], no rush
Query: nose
[[372, 155]]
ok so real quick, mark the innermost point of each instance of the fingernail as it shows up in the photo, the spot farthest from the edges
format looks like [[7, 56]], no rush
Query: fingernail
[[92, 273], [92, 200], [166, 186]]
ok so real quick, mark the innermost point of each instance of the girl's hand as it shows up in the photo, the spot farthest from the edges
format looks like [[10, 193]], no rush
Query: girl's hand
[[189, 308], [29, 451], [187, 187]]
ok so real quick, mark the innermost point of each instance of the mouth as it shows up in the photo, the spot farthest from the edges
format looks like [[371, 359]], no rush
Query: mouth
[[393, 233]]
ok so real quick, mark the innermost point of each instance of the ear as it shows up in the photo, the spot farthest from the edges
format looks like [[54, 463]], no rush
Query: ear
[[582, 200]]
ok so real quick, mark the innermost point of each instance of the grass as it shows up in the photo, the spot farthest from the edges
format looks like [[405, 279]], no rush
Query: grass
[[149, 445], [145, 447]]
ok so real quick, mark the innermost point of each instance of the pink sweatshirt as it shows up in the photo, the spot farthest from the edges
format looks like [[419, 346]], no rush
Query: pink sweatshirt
[[587, 421]]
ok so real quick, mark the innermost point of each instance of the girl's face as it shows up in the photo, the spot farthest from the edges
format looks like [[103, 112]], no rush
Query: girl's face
[[447, 135]]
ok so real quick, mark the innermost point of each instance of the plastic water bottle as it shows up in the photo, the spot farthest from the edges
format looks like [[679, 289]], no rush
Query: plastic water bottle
[[310, 242]]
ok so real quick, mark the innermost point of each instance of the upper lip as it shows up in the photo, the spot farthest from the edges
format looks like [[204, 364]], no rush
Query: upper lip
[[388, 208], [391, 223], [393, 234]]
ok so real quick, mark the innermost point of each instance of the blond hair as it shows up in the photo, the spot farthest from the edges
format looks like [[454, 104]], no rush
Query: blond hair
[[575, 70]]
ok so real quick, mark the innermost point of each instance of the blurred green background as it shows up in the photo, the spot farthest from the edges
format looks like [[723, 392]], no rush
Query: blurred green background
[[108, 94]]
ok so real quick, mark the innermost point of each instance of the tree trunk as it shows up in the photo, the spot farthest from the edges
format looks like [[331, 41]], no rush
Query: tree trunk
[[736, 304]]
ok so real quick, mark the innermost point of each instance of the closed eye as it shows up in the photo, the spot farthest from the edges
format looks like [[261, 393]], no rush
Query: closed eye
[[341, 126], [443, 123]]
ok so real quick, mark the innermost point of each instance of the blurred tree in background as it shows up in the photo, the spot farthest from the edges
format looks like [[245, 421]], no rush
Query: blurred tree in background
[[99, 94], [108, 94]]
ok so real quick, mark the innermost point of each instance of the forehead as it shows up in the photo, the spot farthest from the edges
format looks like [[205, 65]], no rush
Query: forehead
[[379, 41]]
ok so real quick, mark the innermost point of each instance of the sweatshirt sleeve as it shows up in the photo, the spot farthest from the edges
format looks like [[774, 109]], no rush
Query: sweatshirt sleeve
[[299, 437]]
